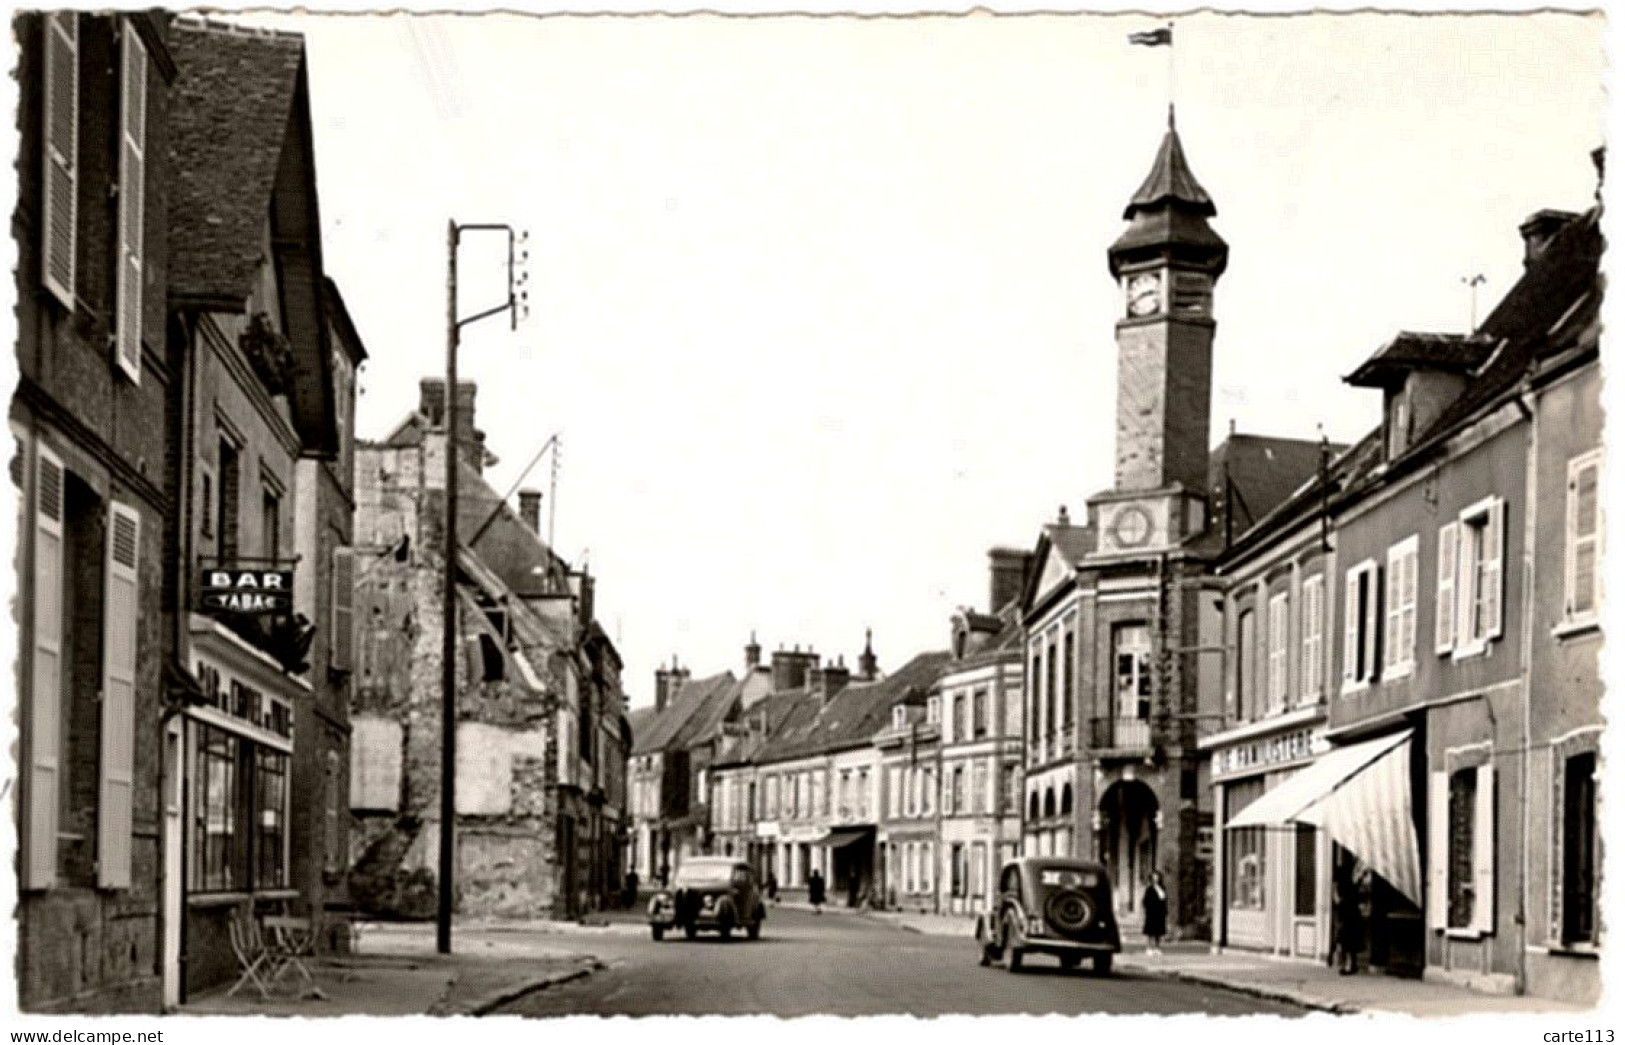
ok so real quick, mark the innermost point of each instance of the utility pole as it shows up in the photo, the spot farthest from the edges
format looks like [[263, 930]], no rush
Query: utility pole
[[517, 303]]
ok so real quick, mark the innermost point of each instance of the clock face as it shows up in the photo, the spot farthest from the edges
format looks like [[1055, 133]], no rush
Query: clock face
[[1144, 293], [1131, 526]]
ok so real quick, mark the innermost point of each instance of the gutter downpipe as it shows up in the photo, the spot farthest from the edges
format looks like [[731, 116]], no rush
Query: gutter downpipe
[[1526, 404]]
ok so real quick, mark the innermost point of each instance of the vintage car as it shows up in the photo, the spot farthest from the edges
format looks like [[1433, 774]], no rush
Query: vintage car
[[1051, 905], [711, 893]]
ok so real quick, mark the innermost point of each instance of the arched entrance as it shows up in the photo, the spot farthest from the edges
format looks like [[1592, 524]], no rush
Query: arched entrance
[[1128, 839]]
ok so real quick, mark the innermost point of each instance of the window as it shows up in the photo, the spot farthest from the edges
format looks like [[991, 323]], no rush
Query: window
[[863, 794], [959, 730], [1461, 829], [899, 717], [1479, 546], [271, 523], [956, 868], [1276, 668], [978, 787], [953, 799], [1051, 720], [214, 812], [1012, 710], [1034, 697], [1244, 849], [1582, 538], [1010, 791], [1067, 671], [929, 791], [1032, 806], [1304, 870], [1246, 663], [60, 127], [1360, 626], [894, 784], [1066, 799], [1399, 616], [978, 713], [1313, 609], [1131, 646], [1578, 898], [1459, 866], [933, 710], [910, 858], [132, 207], [270, 828], [225, 511], [978, 869]]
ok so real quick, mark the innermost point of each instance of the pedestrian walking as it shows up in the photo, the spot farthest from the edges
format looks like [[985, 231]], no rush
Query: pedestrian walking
[[1155, 906], [631, 888], [772, 886], [815, 891]]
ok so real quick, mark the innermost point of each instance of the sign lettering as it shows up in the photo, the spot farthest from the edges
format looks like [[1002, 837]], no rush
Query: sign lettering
[[248, 591]]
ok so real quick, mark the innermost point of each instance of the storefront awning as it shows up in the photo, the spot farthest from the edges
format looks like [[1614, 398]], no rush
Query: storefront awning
[[841, 837], [1361, 795]]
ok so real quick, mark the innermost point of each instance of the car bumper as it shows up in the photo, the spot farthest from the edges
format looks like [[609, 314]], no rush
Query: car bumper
[[1060, 945], [664, 919]]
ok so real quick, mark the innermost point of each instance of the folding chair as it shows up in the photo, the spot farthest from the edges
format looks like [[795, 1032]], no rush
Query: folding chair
[[292, 940], [253, 958]]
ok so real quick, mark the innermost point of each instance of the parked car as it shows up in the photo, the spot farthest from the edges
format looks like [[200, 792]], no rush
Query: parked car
[[1051, 905], [712, 893]]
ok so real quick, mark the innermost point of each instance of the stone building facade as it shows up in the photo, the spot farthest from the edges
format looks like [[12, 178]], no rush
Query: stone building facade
[[94, 476]]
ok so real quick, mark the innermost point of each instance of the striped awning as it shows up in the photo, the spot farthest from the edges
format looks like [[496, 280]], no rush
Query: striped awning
[[1361, 796]]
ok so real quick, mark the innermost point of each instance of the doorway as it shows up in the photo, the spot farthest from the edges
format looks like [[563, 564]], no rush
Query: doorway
[[1128, 839]]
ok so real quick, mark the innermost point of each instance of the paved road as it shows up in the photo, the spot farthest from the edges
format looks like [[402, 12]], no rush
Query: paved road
[[852, 966]]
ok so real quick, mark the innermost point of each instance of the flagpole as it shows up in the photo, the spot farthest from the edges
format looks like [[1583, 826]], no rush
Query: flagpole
[[1170, 73]]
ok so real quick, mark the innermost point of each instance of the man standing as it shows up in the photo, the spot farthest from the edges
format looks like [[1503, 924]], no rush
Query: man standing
[[815, 890]]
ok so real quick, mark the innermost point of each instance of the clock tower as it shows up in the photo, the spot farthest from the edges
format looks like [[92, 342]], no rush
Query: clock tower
[[1166, 263]]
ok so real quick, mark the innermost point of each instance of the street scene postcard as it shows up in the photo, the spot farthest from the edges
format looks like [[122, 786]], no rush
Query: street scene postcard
[[863, 513]]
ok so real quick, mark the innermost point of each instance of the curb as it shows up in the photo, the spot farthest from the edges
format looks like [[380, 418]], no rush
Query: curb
[[1302, 1001], [483, 1006]]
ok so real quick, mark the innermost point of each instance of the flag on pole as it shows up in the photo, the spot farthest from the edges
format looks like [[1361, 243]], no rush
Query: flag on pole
[[1154, 37]]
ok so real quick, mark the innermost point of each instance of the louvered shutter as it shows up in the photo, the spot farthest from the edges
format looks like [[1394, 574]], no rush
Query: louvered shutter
[[131, 203], [120, 616], [60, 124], [341, 639], [1351, 626], [1484, 851], [1411, 563], [1438, 855], [45, 688], [1392, 608], [1494, 575]]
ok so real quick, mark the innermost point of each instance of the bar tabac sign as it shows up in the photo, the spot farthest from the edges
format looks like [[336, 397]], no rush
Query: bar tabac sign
[[248, 591]]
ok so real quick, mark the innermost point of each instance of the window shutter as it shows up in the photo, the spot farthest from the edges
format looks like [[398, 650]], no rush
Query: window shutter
[[341, 637], [1392, 611], [1438, 855], [1407, 602], [1444, 604], [45, 689], [131, 204], [1494, 575], [1351, 626], [1581, 577], [120, 618], [1484, 851], [60, 124]]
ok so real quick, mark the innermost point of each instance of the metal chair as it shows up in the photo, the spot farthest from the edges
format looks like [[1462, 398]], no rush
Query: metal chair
[[253, 957], [292, 940]]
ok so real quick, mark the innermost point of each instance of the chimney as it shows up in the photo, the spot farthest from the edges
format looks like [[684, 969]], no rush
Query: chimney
[[432, 405], [868, 667], [790, 669], [530, 509], [1007, 573], [1539, 229], [753, 655], [831, 681], [667, 682]]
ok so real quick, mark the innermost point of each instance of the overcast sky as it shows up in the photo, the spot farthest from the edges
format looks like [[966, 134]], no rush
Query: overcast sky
[[821, 306]]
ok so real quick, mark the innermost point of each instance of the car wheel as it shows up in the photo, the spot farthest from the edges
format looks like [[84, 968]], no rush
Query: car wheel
[[1070, 961], [753, 931], [658, 932], [691, 930], [1103, 964]]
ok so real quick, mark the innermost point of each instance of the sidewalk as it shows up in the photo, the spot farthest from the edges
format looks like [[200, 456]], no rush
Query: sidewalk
[[1314, 985], [1309, 984], [398, 973]]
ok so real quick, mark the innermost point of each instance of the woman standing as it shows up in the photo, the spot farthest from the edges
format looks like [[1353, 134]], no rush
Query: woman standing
[[815, 890], [1155, 905]]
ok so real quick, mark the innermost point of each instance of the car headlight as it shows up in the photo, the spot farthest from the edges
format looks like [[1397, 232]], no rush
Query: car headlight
[[710, 902], [1035, 926]]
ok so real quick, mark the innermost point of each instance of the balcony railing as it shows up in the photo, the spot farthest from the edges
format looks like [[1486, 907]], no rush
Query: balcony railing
[[1123, 734]]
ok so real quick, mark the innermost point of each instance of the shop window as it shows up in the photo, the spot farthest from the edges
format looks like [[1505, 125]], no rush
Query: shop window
[[215, 794], [1580, 856], [270, 830], [1244, 850]]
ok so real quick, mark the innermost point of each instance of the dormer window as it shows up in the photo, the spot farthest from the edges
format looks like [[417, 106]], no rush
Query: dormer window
[[1399, 421], [899, 717], [933, 710]]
